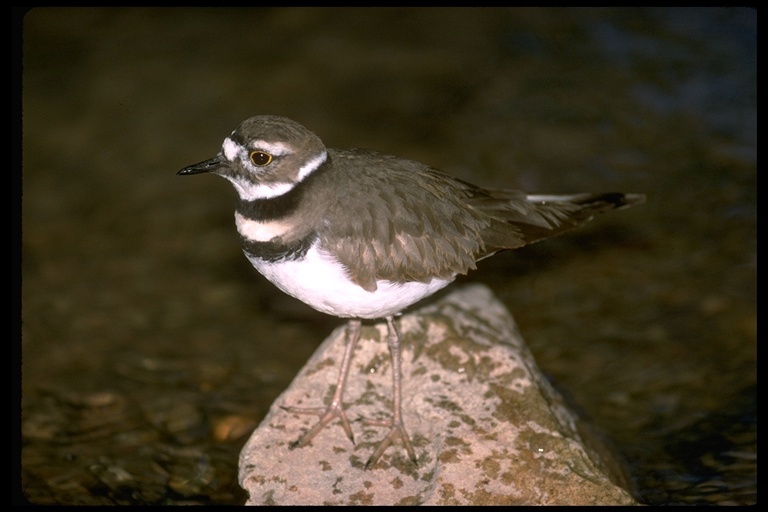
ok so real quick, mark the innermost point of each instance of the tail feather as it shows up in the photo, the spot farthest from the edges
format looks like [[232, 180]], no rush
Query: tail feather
[[549, 216], [616, 199]]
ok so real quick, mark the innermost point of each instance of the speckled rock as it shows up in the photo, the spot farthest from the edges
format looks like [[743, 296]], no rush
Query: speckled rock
[[487, 428]]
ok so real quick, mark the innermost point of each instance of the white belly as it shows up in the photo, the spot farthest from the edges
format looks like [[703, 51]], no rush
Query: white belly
[[321, 282]]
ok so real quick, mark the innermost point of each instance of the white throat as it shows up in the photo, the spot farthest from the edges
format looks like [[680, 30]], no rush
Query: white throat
[[246, 188]]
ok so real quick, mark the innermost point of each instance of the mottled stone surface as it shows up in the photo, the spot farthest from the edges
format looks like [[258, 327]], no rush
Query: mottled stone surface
[[487, 428]]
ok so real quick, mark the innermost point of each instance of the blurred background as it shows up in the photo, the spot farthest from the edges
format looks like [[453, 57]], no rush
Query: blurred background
[[149, 346]]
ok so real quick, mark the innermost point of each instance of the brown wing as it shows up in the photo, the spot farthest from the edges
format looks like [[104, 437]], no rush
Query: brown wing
[[417, 223], [412, 225]]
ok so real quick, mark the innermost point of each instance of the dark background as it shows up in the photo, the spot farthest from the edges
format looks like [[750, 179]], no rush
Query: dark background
[[149, 346]]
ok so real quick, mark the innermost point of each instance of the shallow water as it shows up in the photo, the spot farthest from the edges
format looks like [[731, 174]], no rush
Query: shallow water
[[151, 348]]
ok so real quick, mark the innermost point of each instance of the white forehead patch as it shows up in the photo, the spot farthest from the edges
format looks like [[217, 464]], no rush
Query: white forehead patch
[[232, 149]]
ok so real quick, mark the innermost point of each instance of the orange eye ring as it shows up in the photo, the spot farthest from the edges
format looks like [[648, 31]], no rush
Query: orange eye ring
[[260, 158]]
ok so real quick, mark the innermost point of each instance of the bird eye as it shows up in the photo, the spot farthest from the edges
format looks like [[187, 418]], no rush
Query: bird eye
[[260, 158]]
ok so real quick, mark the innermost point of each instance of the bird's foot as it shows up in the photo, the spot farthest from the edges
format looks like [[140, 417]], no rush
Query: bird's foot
[[396, 431], [326, 414]]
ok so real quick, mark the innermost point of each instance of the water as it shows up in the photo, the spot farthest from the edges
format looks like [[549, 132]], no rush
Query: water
[[151, 348]]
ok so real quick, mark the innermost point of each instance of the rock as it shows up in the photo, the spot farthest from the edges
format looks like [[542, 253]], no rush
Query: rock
[[488, 429]]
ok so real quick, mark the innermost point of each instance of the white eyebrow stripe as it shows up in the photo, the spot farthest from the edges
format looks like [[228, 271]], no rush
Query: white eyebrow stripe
[[233, 150], [273, 148]]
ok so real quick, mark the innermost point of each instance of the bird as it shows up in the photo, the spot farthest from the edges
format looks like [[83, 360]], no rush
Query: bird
[[363, 235]]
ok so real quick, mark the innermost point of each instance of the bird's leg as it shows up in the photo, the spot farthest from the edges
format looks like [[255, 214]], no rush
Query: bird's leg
[[395, 424], [336, 408]]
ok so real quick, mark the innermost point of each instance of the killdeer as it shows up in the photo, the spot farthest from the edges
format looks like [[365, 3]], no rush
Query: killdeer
[[363, 235]]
